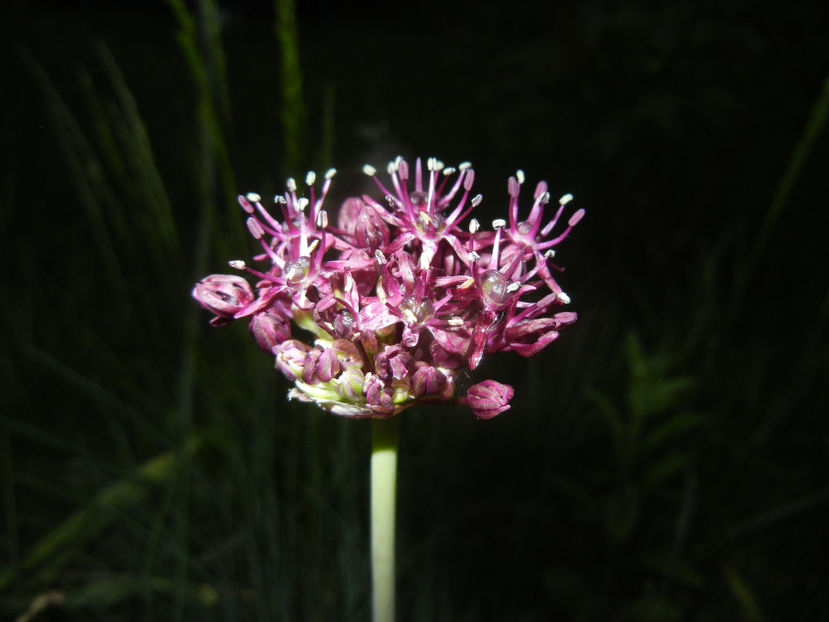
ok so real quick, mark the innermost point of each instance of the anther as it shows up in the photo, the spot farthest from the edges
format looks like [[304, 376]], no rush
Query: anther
[[237, 264], [513, 287], [322, 219], [474, 225], [564, 298], [449, 170], [369, 170], [576, 217], [330, 173], [476, 200], [310, 178], [381, 258], [278, 198], [253, 197], [464, 165], [291, 183], [301, 204], [549, 254], [255, 228], [455, 321], [499, 223], [565, 199], [519, 175], [469, 180]]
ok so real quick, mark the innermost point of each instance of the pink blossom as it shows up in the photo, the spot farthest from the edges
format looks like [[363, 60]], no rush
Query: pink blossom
[[400, 293]]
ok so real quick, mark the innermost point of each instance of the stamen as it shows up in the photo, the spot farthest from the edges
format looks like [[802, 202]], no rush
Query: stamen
[[474, 225], [255, 228], [469, 180], [513, 187], [322, 219], [310, 178], [245, 205], [330, 173], [564, 298], [253, 197], [519, 175], [455, 321], [278, 198], [449, 170], [381, 258], [369, 170], [464, 165], [564, 200], [476, 200], [237, 264], [301, 204], [499, 223], [291, 184], [576, 217], [550, 253]]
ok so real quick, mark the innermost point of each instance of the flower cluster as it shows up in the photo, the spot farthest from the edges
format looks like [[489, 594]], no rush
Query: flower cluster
[[398, 296]]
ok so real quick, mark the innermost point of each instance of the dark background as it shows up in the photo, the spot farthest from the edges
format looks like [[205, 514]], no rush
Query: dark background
[[665, 460]]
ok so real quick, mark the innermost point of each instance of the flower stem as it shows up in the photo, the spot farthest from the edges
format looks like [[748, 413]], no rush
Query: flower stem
[[385, 435]]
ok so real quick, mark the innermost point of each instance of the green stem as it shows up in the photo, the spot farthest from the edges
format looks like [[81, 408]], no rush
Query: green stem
[[385, 435]]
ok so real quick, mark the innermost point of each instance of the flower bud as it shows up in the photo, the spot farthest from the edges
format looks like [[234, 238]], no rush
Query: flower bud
[[427, 380], [269, 329], [489, 398], [291, 357], [223, 294]]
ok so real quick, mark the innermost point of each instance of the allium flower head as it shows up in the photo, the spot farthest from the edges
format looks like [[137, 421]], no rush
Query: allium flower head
[[401, 291]]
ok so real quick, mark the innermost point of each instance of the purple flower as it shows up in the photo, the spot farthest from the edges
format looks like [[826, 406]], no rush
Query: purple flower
[[223, 294], [403, 295]]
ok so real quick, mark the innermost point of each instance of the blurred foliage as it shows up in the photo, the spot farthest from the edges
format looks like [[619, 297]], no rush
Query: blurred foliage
[[667, 460]]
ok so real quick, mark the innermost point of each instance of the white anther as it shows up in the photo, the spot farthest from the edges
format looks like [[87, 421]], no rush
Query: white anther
[[464, 165], [431, 164], [513, 287], [438, 165], [545, 198], [253, 197], [322, 219], [519, 175], [301, 204], [237, 264], [564, 298], [565, 199], [291, 183], [391, 168], [278, 198], [455, 321], [476, 200], [310, 178], [449, 170], [473, 256], [469, 282], [550, 253], [411, 318], [381, 258], [424, 218], [474, 225], [369, 170], [330, 173], [499, 223]]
